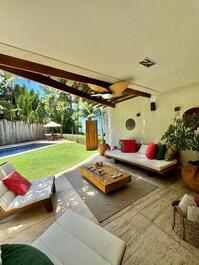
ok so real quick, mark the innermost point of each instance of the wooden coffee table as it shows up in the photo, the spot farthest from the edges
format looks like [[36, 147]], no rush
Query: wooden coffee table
[[106, 177]]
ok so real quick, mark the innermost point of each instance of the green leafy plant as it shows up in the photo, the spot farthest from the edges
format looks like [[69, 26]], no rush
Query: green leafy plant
[[183, 133]]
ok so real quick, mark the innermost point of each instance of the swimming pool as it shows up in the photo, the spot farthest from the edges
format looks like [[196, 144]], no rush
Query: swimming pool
[[4, 152]]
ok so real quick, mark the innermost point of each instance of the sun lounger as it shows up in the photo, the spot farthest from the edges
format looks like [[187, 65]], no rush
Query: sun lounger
[[41, 191]]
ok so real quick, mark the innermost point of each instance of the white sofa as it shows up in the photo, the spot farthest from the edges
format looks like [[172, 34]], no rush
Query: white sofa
[[75, 240], [40, 191], [140, 160]]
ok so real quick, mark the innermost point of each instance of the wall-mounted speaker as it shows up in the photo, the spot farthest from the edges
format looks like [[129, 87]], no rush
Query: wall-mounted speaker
[[153, 106], [177, 108]]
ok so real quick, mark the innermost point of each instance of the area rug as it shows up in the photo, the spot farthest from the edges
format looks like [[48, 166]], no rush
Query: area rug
[[105, 205]]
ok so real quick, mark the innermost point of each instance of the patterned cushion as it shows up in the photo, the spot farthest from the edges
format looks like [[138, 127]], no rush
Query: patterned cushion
[[170, 154]]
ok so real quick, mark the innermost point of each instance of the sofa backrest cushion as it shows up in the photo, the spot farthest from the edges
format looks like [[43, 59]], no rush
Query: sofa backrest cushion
[[17, 183], [160, 152], [142, 149], [151, 150], [129, 146], [7, 168]]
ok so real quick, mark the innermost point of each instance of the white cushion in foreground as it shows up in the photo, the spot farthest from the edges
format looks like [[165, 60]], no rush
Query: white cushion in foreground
[[75, 240]]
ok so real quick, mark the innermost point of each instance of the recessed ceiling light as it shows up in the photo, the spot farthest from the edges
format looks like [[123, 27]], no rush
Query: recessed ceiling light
[[147, 62]]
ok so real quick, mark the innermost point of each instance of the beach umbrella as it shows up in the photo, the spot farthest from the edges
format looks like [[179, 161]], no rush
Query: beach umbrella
[[52, 124]]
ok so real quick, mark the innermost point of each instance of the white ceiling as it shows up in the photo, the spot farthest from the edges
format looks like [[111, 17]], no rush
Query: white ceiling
[[107, 38]]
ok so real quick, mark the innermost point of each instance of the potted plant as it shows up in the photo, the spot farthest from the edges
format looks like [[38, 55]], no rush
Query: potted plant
[[183, 135]]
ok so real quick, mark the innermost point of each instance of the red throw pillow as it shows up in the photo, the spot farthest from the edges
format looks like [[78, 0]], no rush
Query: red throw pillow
[[129, 146], [16, 183], [151, 150]]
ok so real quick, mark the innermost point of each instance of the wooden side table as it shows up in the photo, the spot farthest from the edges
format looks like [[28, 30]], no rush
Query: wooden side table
[[190, 174]]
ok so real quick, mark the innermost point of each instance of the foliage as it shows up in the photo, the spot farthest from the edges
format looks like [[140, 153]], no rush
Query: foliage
[[183, 134], [57, 158], [20, 103]]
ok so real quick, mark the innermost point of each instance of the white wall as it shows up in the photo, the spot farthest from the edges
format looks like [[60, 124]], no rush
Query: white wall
[[151, 125]]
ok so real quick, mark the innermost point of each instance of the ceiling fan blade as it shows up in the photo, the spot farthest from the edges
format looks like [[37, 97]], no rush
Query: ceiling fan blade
[[96, 95], [98, 89], [119, 87]]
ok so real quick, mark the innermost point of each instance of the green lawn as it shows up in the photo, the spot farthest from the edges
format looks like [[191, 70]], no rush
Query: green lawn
[[50, 160]]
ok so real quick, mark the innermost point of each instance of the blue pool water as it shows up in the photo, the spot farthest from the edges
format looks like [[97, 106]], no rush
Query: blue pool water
[[19, 149]]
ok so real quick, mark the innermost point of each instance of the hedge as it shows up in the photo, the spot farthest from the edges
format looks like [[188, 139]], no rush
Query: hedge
[[78, 138]]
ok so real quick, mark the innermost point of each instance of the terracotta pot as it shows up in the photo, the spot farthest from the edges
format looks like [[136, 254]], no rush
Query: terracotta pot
[[102, 148]]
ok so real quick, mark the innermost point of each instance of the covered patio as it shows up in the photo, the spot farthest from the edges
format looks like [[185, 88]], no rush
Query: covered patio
[[147, 220], [138, 61]]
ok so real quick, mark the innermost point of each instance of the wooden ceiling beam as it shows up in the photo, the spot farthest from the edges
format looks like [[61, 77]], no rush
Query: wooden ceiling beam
[[123, 99], [134, 92], [53, 83], [22, 64]]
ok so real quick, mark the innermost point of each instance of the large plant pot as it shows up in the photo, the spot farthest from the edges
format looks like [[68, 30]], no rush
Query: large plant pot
[[102, 148], [190, 174]]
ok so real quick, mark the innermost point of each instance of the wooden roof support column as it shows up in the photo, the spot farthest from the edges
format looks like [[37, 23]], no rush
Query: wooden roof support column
[[53, 83]]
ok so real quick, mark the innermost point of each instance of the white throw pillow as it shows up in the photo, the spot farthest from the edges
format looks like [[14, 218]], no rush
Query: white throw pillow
[[193, 214], [142, 149], [186, 201]]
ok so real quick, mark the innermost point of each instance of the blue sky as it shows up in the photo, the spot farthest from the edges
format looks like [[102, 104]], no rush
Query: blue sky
[[30, 84]]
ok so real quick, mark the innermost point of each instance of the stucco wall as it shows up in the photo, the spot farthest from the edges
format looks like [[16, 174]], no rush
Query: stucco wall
[[151, 125]]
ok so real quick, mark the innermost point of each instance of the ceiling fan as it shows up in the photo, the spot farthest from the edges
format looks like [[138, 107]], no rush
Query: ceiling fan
[[115, 90]]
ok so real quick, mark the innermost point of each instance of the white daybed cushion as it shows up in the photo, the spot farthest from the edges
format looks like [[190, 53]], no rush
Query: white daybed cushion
[[39, 190], [3, 189], [7, 199], [74, 240], [141, 159]]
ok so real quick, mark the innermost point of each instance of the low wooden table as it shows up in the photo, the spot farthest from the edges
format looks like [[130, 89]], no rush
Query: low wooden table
[[103, 176]]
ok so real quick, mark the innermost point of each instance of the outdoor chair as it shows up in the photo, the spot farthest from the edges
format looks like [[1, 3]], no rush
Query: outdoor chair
[[40, 192]]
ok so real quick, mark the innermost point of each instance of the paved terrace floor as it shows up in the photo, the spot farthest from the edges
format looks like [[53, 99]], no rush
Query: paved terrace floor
[[145, 225]]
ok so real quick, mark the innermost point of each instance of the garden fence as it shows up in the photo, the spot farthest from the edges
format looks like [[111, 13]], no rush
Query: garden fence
[[19, 131]]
